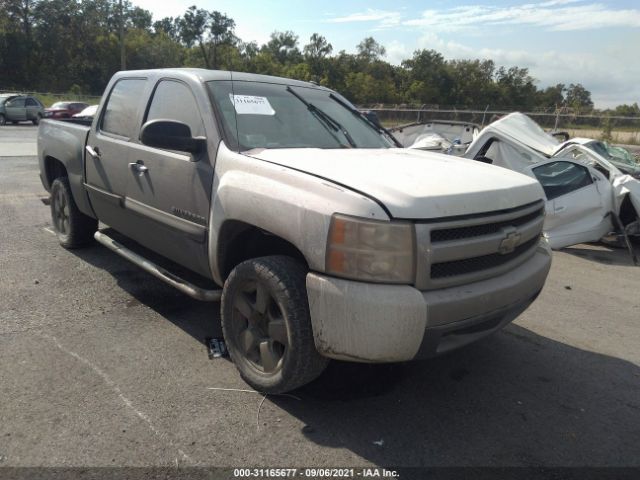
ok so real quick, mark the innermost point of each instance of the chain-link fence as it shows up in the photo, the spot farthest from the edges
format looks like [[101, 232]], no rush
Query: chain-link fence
[[614, 128]]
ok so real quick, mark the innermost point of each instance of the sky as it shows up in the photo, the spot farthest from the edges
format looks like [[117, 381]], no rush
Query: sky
[[595, 43]]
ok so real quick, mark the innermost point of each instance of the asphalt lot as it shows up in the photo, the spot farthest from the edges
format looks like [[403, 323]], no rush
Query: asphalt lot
[[101, 365]]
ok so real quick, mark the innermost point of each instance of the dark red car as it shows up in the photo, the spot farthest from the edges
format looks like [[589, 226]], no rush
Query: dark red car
[[64, 109]]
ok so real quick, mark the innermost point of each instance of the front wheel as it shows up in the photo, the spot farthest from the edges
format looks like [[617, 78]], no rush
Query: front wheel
[[72, 227], [267, 326], [3, 120], [36, 120]]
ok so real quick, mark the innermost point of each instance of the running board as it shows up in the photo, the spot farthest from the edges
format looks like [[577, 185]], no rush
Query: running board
[[185, 287]]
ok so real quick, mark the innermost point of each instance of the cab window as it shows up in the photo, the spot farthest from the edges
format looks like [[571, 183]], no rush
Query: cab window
[[173, 100], [121, 111], [17, 102], [561, 178]]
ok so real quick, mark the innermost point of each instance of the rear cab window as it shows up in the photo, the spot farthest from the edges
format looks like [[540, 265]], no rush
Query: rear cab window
[[120, 114]]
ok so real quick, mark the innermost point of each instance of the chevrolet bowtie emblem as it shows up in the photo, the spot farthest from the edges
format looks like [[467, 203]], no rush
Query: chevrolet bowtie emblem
[[510, 242]]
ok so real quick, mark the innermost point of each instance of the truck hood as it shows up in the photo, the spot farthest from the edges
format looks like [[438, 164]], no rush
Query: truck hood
[[413, 184]]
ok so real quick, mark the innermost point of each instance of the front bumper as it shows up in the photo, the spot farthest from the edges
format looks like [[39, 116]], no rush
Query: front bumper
[[367, 322]]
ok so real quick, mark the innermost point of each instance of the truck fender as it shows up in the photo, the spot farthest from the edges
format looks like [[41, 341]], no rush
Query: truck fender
[[290, 204]]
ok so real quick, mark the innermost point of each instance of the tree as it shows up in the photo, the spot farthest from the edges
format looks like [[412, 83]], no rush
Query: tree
[[579, 98], [315, 53], [552, 97], [284, 47], [428, 78], [193, 30], [628, 110], [472, 83], [515, 88], [170, 26], [317, 48], [221, 30], [370, 50]]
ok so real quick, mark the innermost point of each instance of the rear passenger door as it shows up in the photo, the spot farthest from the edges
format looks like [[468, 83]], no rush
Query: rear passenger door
[[169, 191], [107, 152], [578, 202], [32, 107]]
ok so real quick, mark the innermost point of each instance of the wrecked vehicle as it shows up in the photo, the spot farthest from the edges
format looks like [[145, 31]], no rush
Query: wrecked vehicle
[[447, 136], [618, 156], [280, 199], [585, 193]]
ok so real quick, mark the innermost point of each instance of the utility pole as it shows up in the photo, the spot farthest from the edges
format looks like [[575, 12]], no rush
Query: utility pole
[[123, 60]]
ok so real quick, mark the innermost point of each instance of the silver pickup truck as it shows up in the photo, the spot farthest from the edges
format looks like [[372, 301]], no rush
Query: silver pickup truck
[[321, 238]]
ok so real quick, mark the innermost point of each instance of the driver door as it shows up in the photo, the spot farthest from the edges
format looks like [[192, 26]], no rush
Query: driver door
[[169, 192], [579, 202], [16, 109]]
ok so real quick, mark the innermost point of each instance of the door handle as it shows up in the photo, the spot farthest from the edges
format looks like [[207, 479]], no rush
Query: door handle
[[138, 167], [562, 208], [93, 151]]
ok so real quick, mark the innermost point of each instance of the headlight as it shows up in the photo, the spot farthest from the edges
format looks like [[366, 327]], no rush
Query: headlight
[[371, 250]]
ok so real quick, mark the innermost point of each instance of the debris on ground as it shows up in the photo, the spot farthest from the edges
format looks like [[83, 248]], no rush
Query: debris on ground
[[216, 347]]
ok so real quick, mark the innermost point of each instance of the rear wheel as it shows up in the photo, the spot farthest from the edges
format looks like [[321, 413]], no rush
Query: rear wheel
[[3, 120], [267, 326], [72, 227]]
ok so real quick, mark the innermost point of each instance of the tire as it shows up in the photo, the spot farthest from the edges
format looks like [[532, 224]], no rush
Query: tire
[[36, 121], [73, 228], [3, 120], [267, 326]]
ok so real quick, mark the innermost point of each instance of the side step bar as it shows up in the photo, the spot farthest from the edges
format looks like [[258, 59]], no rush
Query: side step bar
[[157, 271]]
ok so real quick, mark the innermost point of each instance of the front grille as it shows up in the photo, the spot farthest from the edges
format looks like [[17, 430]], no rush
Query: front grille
[[459, 233], [460, 250], [476, 264]]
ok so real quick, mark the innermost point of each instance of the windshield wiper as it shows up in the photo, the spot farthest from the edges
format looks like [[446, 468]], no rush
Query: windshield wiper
[[325, 118], [378, 128]]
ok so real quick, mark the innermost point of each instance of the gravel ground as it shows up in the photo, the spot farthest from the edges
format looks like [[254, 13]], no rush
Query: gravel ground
[[101, 365]]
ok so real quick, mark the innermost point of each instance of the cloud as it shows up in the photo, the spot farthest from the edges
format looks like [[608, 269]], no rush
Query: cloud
[[384, 18], [556, 15], [611, 81]]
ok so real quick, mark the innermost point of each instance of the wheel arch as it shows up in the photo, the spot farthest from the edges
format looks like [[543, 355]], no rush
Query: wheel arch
[[53, 168], [239, 241]]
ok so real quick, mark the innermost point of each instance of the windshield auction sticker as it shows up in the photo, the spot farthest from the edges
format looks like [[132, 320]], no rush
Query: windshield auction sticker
[[251, 105]]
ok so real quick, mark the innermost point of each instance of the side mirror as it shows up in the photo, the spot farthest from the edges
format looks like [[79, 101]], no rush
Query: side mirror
[[372, 117], [171, 135]]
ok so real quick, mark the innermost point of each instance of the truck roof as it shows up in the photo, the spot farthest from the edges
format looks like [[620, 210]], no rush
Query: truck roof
[[203, 75]]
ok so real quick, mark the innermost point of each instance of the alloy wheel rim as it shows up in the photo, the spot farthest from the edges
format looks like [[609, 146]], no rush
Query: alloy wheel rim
[[260, 331]]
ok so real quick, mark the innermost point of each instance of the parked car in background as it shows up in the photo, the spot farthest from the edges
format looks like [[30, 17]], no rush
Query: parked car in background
[[16, 108], [88, 113], [64, 109]]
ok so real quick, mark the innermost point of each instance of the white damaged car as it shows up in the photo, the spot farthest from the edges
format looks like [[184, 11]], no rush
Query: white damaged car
[[585, 193]]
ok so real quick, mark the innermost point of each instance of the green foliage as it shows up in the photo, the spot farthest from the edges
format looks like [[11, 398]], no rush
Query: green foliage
[[579, 98], [74, 46], [607, 130]]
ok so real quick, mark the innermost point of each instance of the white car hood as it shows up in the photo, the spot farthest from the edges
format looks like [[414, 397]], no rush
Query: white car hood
[[414, 184]]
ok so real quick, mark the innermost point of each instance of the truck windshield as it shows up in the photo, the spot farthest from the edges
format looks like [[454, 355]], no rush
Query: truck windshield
[[266, 115]]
